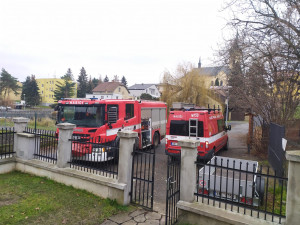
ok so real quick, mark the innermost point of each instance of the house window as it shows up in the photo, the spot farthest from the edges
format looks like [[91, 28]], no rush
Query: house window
[[42, 92], [129, 111], [119, 89], [42, 85], [212, 83], [221, 83]]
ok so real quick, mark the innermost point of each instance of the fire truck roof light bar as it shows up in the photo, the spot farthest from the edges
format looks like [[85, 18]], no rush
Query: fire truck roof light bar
[[197, 109]]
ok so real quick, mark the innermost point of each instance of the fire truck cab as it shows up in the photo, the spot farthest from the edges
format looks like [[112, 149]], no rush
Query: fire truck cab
[[204, 125], [103, 119]]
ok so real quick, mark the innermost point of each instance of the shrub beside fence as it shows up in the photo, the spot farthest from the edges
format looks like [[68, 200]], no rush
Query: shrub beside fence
[[45, 145], [242, 185], [6, 142], [95, 155]]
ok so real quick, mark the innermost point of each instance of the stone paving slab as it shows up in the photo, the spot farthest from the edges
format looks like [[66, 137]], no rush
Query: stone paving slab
[[140, 218], [120, 218], [137, 212], [137, 217], [109, 222]]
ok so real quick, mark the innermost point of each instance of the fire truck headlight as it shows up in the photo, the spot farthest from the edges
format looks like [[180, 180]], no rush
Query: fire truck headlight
[[206, 144]]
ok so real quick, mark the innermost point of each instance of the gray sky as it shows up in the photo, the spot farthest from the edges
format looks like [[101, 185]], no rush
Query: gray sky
[[135, 38]]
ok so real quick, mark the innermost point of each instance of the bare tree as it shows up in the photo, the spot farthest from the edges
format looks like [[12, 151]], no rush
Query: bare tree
[[264, 57]]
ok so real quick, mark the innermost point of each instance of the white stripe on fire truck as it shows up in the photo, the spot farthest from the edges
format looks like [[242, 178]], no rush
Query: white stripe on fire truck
[[115, 130], [201, 139]]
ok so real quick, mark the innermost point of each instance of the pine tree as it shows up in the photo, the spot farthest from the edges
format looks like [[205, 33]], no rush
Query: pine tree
[[8, 83], [83, 84], [124, 81], [68, 75], [64, 89], [90, 86], [30, 91], [95, 82], [106, 79]]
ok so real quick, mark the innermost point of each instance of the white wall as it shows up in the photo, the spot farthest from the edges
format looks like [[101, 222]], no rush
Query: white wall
[[106, 96]]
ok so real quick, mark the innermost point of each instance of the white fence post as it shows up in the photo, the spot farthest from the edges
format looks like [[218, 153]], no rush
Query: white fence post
[[64, 144], [24, 144], [127, 141], [293, 188], [188, 169]]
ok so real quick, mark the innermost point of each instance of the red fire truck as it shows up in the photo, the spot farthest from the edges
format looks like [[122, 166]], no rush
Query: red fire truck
[[206, 125], [102, 119]]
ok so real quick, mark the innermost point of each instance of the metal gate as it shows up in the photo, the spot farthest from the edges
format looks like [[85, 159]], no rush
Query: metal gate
[[142, 183], [173, 189]]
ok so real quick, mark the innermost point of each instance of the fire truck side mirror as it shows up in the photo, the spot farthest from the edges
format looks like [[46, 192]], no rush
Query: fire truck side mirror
[[228, 127]]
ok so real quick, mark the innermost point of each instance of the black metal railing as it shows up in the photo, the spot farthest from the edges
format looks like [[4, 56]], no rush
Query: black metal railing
[[142, 183], [45, 144], [95, 155], [7, 142], [242, 186], [173, 189]]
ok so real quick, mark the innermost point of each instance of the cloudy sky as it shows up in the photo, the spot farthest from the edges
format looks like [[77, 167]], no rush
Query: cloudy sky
[[137, 39]]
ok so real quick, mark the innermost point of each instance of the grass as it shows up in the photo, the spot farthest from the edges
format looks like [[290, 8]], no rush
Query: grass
[[27, 199]]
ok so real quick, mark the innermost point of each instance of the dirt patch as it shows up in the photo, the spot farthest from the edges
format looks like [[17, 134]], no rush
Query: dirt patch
[[8, 200]]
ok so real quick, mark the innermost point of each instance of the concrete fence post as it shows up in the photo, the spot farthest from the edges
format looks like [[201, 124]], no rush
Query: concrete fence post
[[20, 123], [188, 169], [64, 144], [127, 141], [293, 188], [24, 144]]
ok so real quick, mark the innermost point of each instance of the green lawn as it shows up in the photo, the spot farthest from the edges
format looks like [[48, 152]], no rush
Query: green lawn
[[27, 199]]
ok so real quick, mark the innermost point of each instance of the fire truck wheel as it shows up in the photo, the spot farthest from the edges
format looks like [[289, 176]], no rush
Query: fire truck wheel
[[155, 140]]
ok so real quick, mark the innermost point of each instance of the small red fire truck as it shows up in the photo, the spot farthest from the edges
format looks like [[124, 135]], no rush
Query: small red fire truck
[[206, 125], [102, 119]]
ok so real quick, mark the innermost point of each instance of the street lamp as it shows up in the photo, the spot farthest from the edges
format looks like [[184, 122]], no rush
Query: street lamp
[[24, 102]]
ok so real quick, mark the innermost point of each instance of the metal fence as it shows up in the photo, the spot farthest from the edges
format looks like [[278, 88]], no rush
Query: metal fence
[[6, 142], [46, 145], [173, 189], [242, 186], [31, 114], [142, 182], [95, 155]]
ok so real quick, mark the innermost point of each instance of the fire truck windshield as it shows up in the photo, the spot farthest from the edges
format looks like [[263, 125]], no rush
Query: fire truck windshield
[[82, 115]]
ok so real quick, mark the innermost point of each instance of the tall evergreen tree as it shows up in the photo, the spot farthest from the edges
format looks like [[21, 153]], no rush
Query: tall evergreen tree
[[68, 75], [64, 89], [82, 84], [30, 91], [8, 83], [90, 86], [95, 82], [124, 81], [106, 79]]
